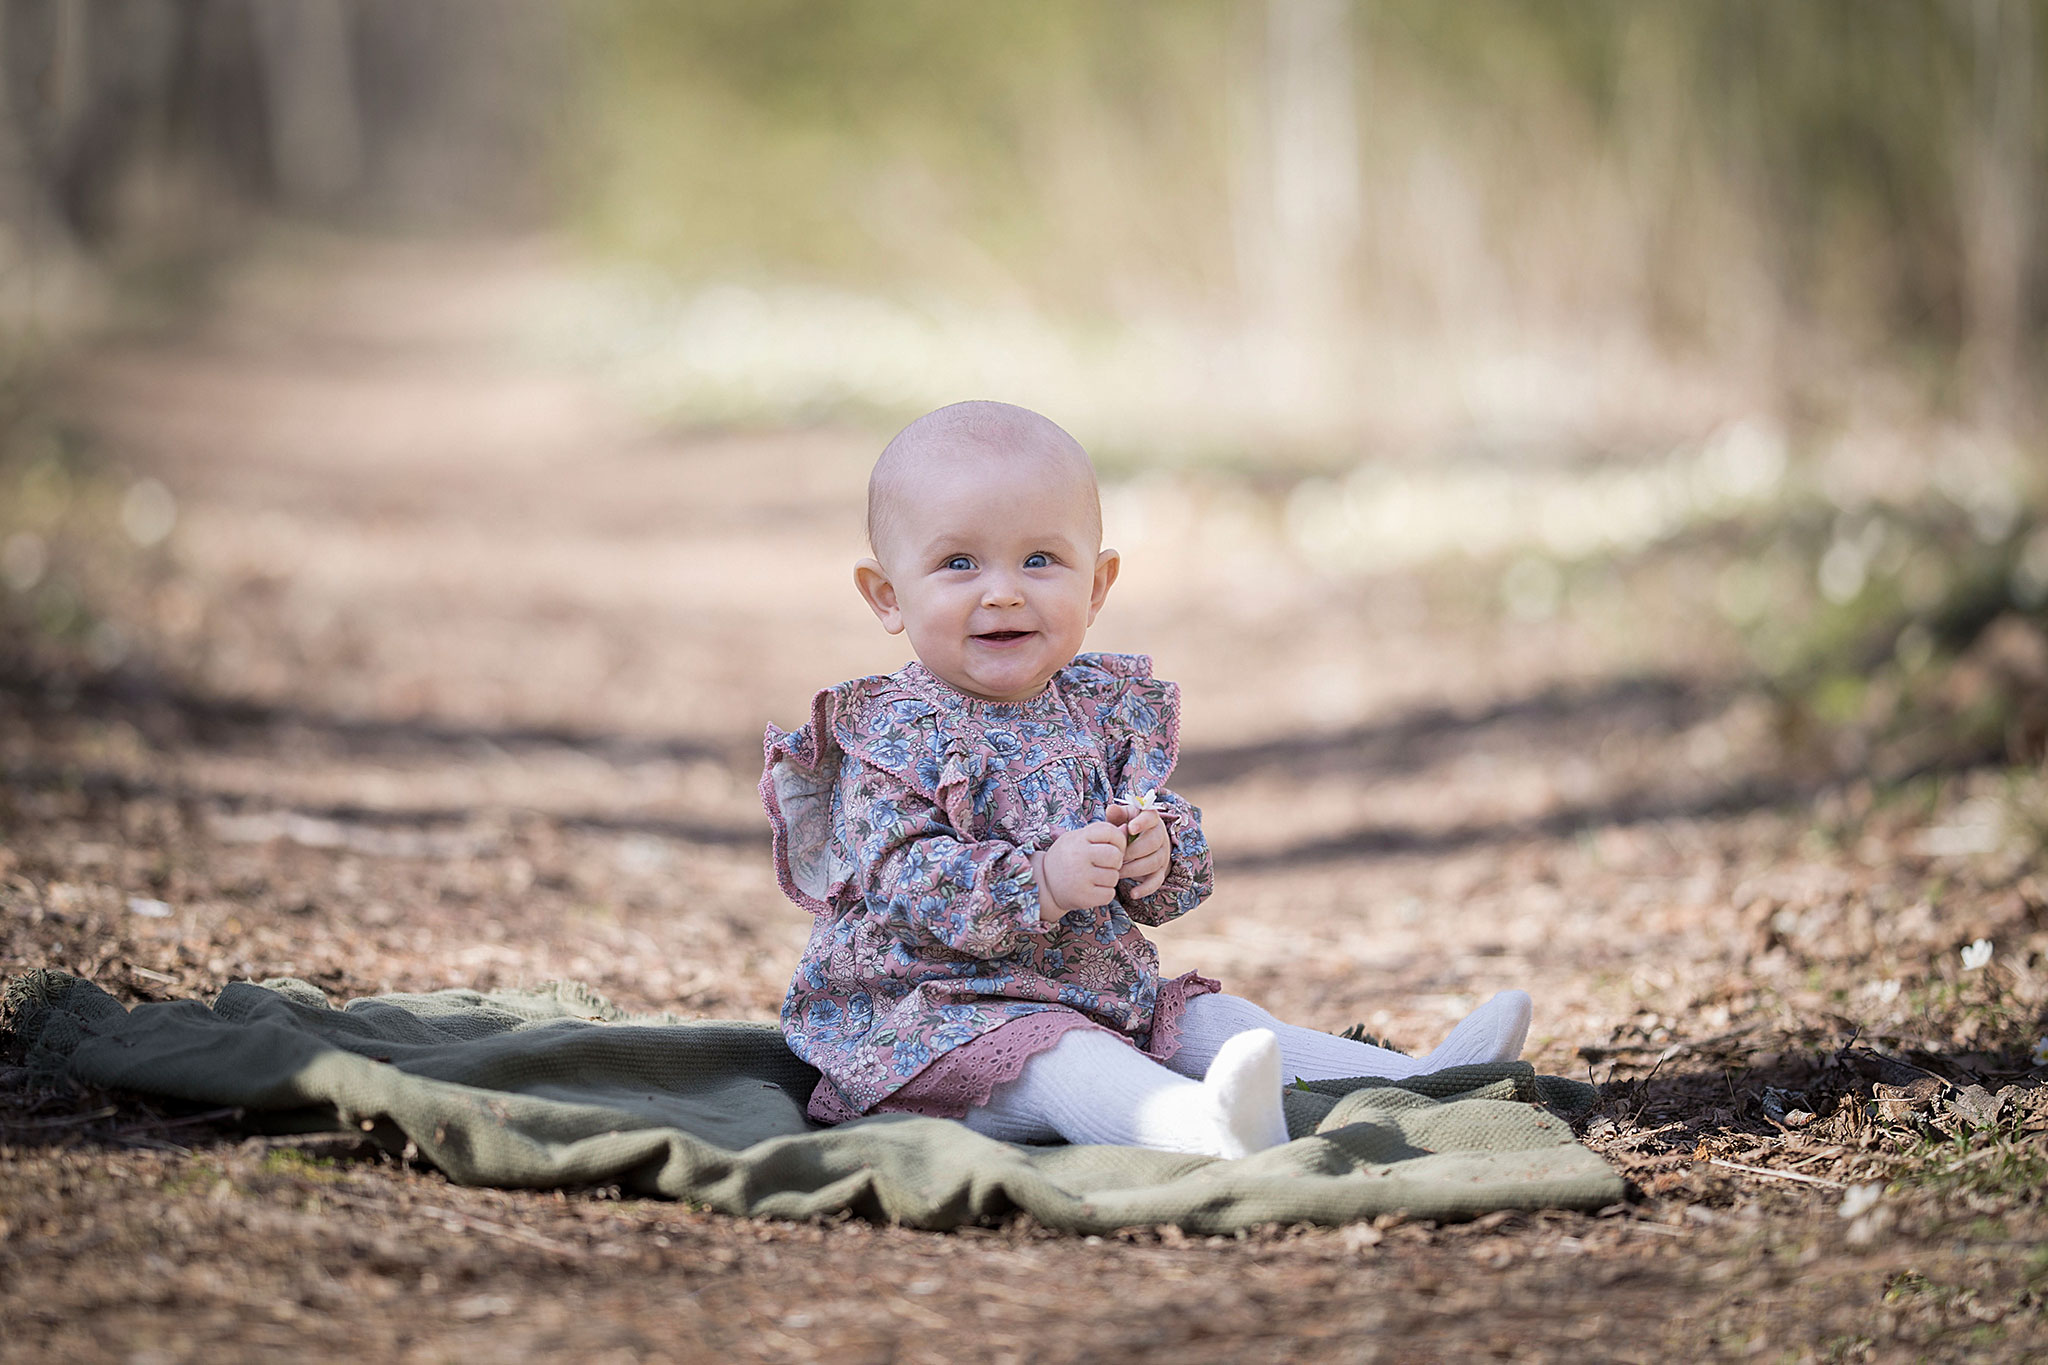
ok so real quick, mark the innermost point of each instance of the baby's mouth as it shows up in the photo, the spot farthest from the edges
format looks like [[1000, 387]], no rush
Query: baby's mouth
[[1001, 637]]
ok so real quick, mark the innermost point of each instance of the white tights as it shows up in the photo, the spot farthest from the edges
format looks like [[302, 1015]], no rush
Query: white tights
[[1092, 1087]]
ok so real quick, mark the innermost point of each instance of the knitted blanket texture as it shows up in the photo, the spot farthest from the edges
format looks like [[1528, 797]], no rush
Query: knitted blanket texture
[[556, 1087]]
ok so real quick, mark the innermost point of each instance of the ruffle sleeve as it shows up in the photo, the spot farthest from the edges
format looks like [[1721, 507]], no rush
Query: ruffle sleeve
[[872, 802], [800, 768], [887, 727], [1138, 717]]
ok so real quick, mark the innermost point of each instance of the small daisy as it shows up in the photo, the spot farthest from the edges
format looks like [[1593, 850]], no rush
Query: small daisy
[[1977, 955], [1135, 804]]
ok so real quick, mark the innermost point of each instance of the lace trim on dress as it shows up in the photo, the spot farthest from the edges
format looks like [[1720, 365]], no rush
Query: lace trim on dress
[[828, 1105], [1173, 1003], [964, 1078]]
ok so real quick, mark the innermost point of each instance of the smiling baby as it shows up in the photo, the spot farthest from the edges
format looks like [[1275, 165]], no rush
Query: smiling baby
[[980, 834]]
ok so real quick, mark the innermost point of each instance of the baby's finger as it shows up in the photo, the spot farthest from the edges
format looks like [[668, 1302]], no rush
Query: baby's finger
[[1153, 845], [1136, 869]]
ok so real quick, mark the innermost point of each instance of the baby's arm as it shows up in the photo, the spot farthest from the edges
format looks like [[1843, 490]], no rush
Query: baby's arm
[[924, 882]]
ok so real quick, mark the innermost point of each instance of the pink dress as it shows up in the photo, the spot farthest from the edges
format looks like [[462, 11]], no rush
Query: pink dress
[[904, 816]]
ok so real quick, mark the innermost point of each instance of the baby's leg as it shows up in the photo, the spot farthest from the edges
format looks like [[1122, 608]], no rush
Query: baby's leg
[[1492, 1033], [1090, 1087]]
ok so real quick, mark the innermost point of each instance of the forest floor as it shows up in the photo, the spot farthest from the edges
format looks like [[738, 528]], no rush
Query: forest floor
[[451, 670]]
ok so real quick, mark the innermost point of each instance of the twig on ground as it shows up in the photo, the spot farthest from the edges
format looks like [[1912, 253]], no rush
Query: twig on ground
[[152, 1144], [1636, 1139], [470, 1222], [1777, 1175], [368, 1194], [312, 1142], [62, 1120], [1603, 1051], [210, 1116]]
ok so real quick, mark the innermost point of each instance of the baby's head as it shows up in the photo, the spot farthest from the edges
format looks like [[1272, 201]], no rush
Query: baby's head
[[987, 539]]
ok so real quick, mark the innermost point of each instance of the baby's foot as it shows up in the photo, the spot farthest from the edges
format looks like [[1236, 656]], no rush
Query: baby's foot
[[1242, 1088], [1494, 1032]]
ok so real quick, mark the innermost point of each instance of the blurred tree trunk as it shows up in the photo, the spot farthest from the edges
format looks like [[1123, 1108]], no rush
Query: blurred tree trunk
[[1996, 185], [316, 134], [1312, 120], [45, 101], [1298, 192], [157, 124]]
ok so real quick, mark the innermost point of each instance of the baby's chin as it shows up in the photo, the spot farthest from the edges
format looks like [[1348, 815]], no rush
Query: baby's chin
[[996, 685]]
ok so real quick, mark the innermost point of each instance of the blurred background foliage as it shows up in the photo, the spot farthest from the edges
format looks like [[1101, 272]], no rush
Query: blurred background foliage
[[1783, 189], [1553, 288], [1779, 191]]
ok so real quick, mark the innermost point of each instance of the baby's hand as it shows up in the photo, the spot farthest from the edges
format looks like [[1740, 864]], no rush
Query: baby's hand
[[1149, 848], [1080, 869]]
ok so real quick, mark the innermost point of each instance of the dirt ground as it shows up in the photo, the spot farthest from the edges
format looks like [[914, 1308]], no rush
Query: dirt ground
[[452, 670]]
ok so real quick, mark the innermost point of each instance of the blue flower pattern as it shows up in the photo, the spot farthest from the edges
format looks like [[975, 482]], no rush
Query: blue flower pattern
[[930, 937]]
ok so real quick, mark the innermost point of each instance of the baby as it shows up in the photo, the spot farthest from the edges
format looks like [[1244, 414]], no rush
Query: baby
[[980, 834]]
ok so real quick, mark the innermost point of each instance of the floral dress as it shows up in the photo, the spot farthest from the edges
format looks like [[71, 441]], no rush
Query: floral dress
[[904, 815]]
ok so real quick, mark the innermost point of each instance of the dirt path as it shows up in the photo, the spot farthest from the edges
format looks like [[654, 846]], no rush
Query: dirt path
[[452, 672]]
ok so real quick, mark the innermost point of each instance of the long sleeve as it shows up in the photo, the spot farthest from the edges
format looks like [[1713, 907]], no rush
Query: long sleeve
[[925, 884], [1190, 873]]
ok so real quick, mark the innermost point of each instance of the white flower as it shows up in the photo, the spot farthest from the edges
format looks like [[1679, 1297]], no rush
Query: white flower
[[2041, 1053], [1977, 955], [1886, 991], [1858, 1200], [1135, 804]]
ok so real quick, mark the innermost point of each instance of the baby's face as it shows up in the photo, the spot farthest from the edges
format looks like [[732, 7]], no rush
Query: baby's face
[[993, 567]]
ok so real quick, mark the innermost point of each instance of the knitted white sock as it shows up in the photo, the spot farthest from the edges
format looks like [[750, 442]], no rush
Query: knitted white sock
[[1089, 1087], [1494, 1032]]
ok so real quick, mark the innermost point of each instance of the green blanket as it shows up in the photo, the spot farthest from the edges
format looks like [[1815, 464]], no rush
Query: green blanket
[[556, 1087]]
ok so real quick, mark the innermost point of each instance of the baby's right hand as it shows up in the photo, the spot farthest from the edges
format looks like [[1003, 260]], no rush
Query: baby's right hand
[[1080, 869]]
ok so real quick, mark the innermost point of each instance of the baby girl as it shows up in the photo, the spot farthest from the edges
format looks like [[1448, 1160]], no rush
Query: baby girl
[[980, 834]]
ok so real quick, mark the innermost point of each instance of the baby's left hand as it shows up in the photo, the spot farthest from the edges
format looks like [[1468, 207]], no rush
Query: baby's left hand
[[1149, 850]]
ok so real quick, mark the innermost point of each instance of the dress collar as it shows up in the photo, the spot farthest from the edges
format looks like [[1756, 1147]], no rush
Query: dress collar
[[950, 698]]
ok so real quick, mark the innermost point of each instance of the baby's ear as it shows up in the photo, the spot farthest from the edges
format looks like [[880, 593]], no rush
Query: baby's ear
[[1106, 565], [879, 593]]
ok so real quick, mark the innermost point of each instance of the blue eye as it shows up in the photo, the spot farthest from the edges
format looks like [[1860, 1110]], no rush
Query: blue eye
[[960, 562], [1037, 561]]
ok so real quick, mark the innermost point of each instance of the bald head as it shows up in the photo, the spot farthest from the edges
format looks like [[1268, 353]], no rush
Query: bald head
[[962, 433]]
